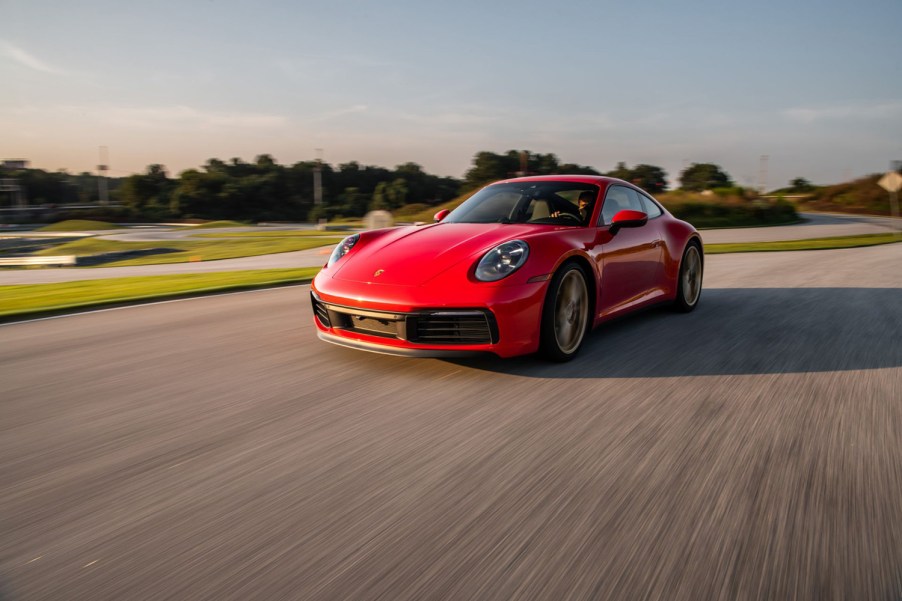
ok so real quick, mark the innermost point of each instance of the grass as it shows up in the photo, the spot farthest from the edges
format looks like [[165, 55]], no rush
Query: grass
[[428, 214], [191, 250], [347, 221], [272, 234], [215, 224], [811, 244], [29, 299], [77, 225]]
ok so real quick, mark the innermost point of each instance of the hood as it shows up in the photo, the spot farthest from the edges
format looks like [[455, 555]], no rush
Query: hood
[[411, 256]]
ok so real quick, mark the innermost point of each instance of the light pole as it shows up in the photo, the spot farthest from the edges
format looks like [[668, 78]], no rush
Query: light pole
[[318, 179], [102, 168]]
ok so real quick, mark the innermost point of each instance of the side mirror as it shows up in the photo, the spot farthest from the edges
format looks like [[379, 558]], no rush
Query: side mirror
[[441, 215], [628, 218]]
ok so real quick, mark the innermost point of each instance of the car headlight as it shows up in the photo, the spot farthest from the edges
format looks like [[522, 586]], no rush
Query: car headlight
[[343, 248], [502, 261]]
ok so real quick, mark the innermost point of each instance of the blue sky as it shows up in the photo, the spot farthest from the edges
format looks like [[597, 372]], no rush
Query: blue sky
[[816, 86]]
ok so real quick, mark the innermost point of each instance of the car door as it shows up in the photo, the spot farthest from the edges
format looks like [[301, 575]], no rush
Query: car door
[[629, 258]]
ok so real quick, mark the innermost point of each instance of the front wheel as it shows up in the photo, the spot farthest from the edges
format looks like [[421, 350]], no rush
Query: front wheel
[[689, 283], [565, 315]]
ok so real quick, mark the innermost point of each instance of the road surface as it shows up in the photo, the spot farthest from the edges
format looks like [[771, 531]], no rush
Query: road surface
[[815, 225], [214, 449]]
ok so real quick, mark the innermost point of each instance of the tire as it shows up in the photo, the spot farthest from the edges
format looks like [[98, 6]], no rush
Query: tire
[[689, 282], [565, 316]]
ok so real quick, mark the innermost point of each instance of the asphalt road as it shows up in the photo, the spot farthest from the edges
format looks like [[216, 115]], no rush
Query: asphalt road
[[815, 225], [213, 449]]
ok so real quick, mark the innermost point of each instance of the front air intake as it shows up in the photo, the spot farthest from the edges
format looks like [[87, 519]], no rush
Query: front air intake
[[450, 327]]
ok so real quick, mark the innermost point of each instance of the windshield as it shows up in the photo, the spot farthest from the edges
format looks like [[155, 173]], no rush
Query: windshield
[[555, 203]]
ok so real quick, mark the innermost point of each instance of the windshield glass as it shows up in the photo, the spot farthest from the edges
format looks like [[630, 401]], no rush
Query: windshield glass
[[555, 203]]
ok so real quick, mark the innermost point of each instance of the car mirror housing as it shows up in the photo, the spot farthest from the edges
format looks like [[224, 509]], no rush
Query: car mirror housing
[[441, 215], [628, 218]]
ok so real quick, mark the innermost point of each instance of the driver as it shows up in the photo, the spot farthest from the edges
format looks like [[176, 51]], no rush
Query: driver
[[586, 198], [585, 204]]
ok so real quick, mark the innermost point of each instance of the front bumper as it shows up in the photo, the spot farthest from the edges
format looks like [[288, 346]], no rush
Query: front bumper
[[414, 321], [400, 351]]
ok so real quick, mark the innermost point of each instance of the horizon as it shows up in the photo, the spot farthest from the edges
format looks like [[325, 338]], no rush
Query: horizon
[[813, 86]]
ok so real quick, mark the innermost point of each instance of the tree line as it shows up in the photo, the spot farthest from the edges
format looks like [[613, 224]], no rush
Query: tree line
[[264, 190]]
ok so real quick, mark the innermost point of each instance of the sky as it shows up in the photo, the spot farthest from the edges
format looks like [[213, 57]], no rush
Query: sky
[[816, 86]]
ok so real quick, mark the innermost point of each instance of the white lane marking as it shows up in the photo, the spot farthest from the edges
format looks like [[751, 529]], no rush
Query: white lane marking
[[88, 565], [135, 306], [34, 560]]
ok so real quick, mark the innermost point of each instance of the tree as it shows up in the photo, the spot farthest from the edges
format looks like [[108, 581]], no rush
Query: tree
[[396, 193], [800, 184], [380, 198], [574, 169], [650, 178], [488, 167], [353, 202], [704, 176], [543, 164], [266, 162], [148, 194], [621, 172]]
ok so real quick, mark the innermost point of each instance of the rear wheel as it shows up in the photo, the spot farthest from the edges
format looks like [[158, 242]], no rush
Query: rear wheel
[[689, 283], [565, 316]]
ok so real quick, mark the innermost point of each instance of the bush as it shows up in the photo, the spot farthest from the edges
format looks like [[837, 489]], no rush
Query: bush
[[710, 215]]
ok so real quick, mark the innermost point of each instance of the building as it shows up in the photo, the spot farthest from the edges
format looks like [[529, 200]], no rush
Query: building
[[15, 164]]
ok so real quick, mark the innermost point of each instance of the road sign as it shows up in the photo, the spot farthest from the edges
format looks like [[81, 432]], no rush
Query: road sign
[[891, 182]]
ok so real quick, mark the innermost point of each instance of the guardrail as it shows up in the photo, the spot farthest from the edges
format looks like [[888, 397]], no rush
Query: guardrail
[[56, 260]]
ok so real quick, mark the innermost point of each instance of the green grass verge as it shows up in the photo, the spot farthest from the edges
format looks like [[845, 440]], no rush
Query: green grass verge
[[811, 244], [28, 299], [78, 225], [272, 234], [191, 250], [215, 224]]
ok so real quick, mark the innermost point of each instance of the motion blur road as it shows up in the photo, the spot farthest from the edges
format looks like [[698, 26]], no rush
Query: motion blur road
[[214, 449]]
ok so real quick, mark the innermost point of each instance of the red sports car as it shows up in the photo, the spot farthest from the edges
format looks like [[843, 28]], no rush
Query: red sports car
[[524, 265]]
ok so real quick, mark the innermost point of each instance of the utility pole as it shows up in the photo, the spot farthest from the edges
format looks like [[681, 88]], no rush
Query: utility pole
[[762, 174], [102, 169], [318, 179], [524, 163]]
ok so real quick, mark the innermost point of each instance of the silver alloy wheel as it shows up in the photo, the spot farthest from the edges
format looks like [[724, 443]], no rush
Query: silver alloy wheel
[[692, 275], [571, 312]]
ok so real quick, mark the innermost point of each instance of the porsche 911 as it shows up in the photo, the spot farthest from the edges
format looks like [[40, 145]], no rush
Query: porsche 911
[[525, 265]]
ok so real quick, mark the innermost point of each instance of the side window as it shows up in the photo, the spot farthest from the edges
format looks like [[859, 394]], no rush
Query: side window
[[651, 207], [618, 199]]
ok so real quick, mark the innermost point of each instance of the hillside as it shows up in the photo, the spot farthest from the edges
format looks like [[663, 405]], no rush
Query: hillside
[[859, 196], [429, 213]]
